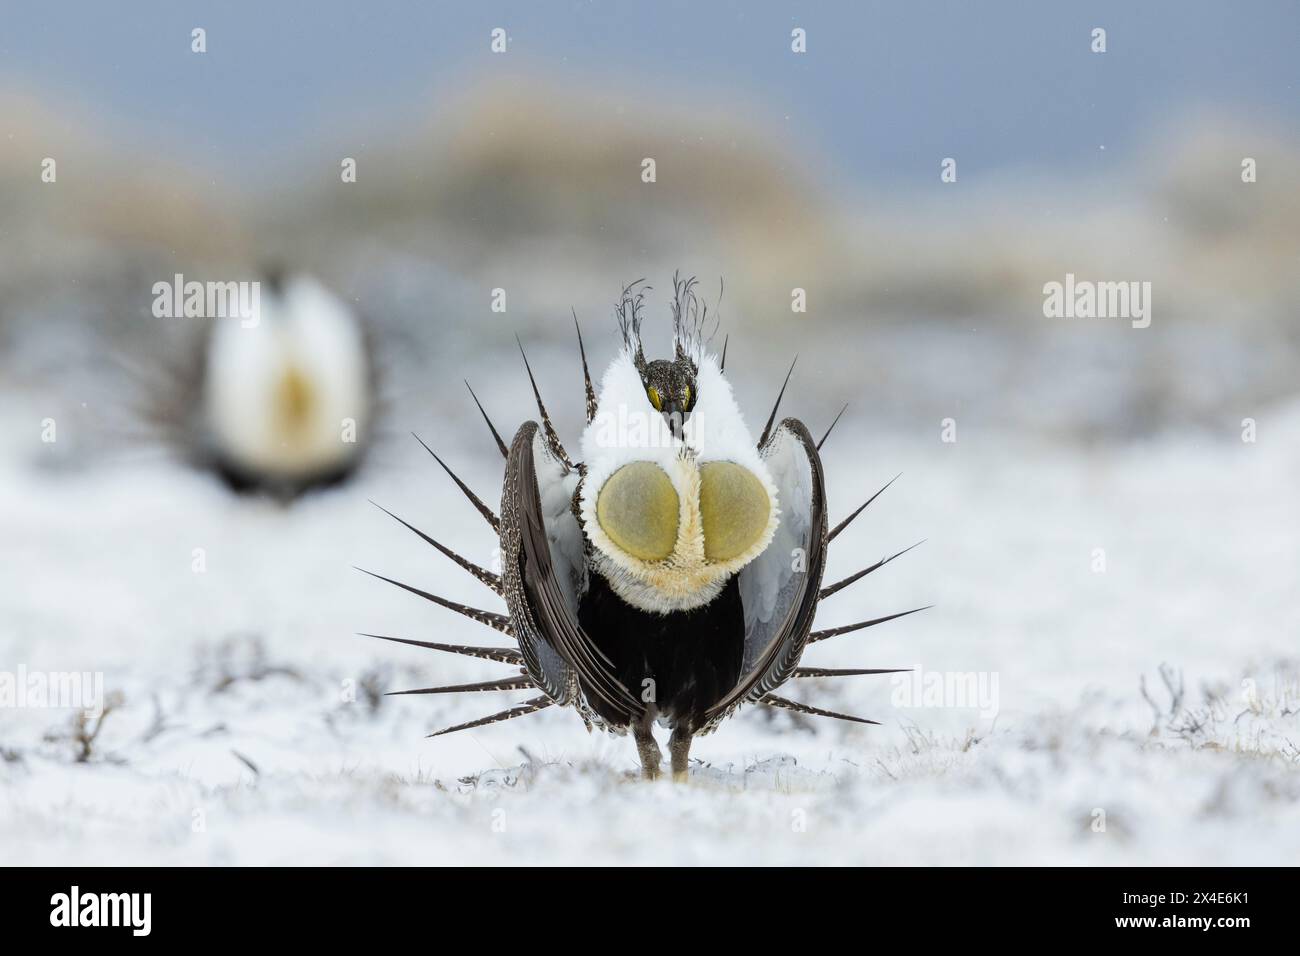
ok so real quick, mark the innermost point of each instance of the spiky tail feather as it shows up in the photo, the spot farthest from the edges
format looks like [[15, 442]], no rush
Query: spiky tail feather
[[767, 429], [832, 426], [588, 391], [816, 636], [846, 671], [771, 700], [505, 683], [487, 577], [496, 435], [552, 436], [503, 655], [498, 621], [849, 520], [839, 585], [521, 710], [483, 509]]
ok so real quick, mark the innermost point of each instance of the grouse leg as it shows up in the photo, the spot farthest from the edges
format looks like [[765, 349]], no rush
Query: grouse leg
[[679, 747], [649, 751]]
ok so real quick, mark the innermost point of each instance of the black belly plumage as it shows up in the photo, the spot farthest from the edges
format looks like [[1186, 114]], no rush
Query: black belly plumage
[[682, 663]]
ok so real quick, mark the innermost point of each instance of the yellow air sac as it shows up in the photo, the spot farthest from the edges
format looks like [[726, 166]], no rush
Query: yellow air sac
[[638, 508], [734, 509], [293, 401]]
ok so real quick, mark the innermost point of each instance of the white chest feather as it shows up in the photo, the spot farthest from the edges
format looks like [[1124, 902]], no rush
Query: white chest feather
[[288, 396], [671, 520]]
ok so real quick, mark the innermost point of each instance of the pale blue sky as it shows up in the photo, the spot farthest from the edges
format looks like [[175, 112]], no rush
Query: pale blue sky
[[883, 90]]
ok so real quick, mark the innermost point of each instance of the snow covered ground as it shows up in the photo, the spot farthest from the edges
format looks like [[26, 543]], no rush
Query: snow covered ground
[[1114, 572], [247, 726]]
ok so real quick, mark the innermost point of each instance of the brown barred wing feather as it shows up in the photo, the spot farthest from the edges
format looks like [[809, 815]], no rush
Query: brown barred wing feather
[[541, 569]]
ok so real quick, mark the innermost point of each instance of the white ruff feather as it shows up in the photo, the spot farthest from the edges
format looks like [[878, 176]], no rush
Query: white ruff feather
[[308, 333], [627, 429]]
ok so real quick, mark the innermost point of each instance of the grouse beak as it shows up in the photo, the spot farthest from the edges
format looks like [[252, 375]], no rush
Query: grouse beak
[[675, 417]]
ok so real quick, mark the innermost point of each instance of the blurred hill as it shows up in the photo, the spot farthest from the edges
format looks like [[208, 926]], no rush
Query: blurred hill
[[926, 303]]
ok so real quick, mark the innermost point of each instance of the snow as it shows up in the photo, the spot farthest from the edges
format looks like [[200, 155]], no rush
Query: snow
[[249, 730]]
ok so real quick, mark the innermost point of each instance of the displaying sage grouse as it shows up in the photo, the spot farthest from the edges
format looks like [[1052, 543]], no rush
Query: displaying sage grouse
[[287, 402], [672, 576]]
